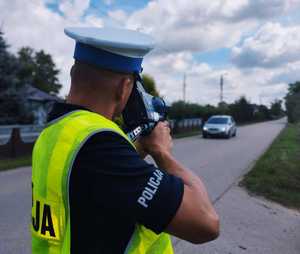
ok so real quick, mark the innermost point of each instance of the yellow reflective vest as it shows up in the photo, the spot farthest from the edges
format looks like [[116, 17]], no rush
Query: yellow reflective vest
[[53, 156]]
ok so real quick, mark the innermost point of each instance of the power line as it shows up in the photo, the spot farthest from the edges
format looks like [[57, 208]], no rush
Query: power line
[[184, 87], [260, 99]]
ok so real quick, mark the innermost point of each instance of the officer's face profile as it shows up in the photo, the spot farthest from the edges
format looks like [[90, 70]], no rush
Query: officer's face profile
[[123, 92]]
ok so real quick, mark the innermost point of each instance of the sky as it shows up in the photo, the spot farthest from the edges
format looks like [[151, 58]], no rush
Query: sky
[[254, 44]]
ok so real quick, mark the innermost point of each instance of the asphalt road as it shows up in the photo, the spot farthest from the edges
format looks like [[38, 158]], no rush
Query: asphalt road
[[219, 162]]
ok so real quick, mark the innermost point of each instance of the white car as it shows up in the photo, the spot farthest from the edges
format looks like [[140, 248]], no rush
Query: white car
[[222, 126]]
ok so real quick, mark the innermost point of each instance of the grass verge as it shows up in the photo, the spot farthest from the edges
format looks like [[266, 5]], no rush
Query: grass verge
[[276, 175], [7, 164], [186, 134], [15, 163]]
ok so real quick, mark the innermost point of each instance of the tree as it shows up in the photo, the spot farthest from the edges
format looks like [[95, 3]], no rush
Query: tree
[[242, 110], [263, 113], [181, 109], [8, 68], [178, 110], [292, 102], [276, 108], [46, 77], [294, 88], [38, 70], [27, 65], [149, 85], [9, 100]]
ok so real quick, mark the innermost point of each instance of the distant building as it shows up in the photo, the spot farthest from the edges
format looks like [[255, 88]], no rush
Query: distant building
[[38, 102], [255, 108]]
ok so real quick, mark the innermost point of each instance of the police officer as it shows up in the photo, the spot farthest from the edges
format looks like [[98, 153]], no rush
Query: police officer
[[92, 192]]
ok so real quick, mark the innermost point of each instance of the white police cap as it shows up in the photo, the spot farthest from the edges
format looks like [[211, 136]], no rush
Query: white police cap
[[120, 50]]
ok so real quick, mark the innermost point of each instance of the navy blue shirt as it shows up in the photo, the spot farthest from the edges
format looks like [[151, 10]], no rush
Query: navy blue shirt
[[112, 189]]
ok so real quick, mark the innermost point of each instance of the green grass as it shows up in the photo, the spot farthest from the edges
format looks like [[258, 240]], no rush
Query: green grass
[[15, 163], [257, 121], [6, 164], [276, 174], [187, 134]]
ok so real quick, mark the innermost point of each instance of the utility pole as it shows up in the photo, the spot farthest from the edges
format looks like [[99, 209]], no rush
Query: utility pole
[[1, 26], [260, 99], [221, 88], [184, 87]]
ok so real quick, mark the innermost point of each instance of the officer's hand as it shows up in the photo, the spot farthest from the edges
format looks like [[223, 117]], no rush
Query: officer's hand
[[159, 141]]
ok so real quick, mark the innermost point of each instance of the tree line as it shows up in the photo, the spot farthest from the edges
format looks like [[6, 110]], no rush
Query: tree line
[[26, 67], [242, 109], [292, 102], [38, 69]]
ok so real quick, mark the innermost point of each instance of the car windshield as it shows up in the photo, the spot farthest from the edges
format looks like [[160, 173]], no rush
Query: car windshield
[[218, 120]]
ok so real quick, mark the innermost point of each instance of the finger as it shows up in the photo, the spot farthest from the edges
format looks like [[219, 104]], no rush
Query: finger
[[167, 130], [161, 124], [171, 144], [166, 123]]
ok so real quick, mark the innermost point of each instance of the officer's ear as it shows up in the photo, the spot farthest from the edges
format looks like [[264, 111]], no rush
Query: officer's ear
[[124, 90]]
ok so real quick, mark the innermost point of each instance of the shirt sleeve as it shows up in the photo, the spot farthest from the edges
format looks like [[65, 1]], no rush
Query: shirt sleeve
[[120, 180]]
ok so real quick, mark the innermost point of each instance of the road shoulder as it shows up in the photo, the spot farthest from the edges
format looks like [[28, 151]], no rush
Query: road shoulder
[[251, 225]]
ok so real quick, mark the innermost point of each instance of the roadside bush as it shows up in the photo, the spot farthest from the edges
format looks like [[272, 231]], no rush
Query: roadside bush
[[242, 111], [293, 107]]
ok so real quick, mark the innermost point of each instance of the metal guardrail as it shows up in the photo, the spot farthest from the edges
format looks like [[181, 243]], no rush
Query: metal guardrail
[[15, 147], [185, 125], [18, 140], [28, 133], [6, 129]]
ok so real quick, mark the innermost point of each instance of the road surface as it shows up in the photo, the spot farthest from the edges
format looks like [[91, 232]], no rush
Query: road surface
[[219, 162]]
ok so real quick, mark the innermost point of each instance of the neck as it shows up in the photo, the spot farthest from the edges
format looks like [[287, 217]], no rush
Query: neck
[[99, 106]]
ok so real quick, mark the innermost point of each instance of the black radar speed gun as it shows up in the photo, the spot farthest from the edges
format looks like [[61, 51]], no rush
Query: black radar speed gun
[[143, 111]]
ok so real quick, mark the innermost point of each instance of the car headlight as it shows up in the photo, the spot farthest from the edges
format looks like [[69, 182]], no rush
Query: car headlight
[[205, 128], [223, 129]]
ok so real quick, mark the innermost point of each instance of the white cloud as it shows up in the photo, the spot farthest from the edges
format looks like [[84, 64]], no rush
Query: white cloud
[[93, 20], [273, 45], [203, 81], [181, 28], [118, 15], [204, 25], [259, 9], [288, 74], [108, 2], [188, 25], [184, 27], [73, 10], [34, 25]]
